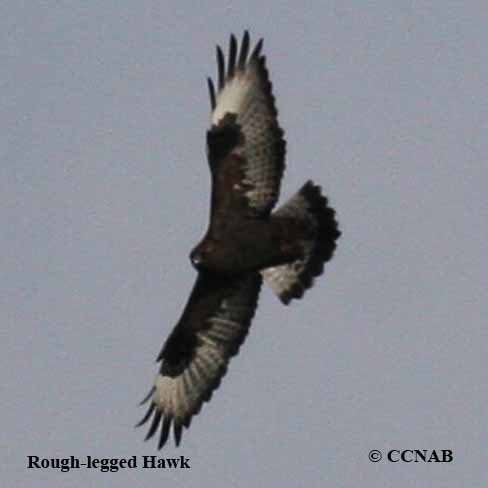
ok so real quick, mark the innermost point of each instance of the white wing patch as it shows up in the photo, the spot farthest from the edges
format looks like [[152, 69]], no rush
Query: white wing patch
[[236, 94]]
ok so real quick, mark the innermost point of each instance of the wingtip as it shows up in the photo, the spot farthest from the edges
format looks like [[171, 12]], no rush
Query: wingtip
[[231, 61], [221, 66], [154, 425], [257, 49], [148, 396], [146, 416], [164, 432], [244, 51], [177, 431], [211, 90]]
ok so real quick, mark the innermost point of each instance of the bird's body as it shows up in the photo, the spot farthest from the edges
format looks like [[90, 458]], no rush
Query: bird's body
[[250, 245], [246, 241]]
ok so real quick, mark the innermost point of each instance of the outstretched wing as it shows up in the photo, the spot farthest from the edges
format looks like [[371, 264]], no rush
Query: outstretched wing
[[246, 149], [195, 356]]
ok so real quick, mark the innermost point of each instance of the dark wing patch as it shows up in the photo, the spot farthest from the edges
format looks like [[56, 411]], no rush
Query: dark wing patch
[[243, 109], [195, 356]]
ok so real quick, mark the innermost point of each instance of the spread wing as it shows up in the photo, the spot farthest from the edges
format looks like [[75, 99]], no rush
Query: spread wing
[[195, 356], [246, 149]]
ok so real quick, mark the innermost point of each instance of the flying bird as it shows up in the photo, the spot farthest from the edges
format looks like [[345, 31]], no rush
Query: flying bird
[[245, 243]]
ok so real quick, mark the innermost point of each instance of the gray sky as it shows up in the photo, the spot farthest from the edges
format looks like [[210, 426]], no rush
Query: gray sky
[[105, 189]]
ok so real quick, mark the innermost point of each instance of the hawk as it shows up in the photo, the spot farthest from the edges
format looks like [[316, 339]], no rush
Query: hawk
[[245, 243]]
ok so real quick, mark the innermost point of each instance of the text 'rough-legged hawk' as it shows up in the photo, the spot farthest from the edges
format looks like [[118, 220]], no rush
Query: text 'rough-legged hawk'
[[245, 242]]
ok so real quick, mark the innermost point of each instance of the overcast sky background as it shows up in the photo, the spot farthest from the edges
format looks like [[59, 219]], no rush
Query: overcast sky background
[[105, 189]]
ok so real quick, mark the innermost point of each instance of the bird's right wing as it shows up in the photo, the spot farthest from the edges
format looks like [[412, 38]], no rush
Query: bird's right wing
[[195, 356]]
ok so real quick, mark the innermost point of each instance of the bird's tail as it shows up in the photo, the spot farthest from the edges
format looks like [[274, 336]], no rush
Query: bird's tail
[[310, 207]]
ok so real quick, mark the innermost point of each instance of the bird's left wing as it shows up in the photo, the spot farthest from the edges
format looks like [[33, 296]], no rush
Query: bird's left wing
[[195, 356], [246, 149]]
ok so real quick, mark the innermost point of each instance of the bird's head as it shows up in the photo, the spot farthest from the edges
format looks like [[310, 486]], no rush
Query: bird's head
[[200, 257]]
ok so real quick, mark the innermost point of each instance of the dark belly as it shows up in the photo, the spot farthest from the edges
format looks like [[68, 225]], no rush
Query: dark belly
[[249, 246]]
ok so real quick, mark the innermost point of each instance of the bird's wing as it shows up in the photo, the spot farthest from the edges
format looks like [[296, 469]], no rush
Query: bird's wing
[[195, 356], [246, 149]]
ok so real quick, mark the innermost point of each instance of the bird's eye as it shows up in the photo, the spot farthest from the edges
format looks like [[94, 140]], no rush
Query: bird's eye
[[196, 258]]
